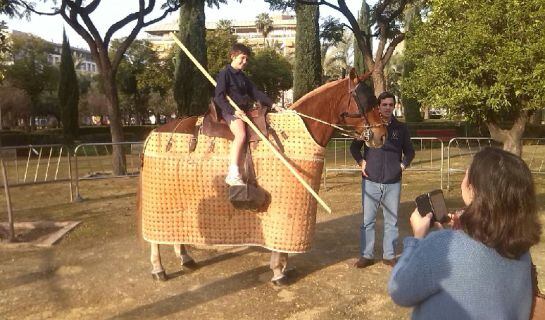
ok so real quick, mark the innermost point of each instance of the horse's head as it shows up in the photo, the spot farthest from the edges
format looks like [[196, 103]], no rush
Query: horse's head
[[362, 112]]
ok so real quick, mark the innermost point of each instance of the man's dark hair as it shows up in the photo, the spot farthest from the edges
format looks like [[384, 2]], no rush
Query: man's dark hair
[[503, 212], [386, 95], [238, 48]]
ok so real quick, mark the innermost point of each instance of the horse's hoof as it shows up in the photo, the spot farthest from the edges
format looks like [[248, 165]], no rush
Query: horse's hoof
[[282, 282], [191, 264], [161, 276]]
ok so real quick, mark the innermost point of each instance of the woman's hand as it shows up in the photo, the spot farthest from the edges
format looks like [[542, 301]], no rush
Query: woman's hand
[[240, 114], [454, 219], [420, 225]]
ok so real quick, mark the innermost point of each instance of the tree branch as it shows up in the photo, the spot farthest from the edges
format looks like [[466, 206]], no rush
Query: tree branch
[[129, 18], [161, 17], [391, 47], [30, 8], [317, 3], [91, 6], [127, 42], [76, 7]]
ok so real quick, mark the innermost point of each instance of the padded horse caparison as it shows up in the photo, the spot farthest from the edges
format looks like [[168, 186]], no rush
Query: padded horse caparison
[[215, 126]]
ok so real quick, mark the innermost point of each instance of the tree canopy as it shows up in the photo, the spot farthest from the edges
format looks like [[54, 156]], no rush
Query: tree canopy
[[270, 72], [483, 60], [31, 71], [68, 92]]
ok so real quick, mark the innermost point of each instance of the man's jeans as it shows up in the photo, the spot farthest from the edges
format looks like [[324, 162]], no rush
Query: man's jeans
[[373, 194]]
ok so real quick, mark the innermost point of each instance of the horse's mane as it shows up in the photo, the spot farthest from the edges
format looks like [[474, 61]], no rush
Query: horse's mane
[[316, 93]]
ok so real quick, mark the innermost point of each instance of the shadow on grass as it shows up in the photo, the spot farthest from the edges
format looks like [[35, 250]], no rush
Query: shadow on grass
[[335, 241]]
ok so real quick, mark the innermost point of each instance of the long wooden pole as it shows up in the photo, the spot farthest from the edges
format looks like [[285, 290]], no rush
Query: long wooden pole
[[11, 233], [252, 125]]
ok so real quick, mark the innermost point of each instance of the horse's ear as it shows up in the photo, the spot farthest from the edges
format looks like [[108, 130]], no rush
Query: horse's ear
[[353, 76]]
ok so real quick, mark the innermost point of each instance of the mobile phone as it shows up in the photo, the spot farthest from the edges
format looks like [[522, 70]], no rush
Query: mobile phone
[[440, 211], [433, 202]]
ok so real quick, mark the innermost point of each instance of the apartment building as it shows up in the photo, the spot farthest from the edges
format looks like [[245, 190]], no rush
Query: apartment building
[[282, 35]]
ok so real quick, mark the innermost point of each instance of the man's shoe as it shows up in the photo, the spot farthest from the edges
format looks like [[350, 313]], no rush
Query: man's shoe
[[234, 181], [389, 262], [364, 262]]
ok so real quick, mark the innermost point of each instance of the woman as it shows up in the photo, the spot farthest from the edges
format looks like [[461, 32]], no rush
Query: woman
[[482, 270], [232, 82]]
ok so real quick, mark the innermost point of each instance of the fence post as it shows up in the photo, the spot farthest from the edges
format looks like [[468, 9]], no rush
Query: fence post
[[11, 234], [78, 197]]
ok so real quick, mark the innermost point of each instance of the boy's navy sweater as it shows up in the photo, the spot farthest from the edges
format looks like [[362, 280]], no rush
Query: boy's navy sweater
[[383, 164], [236, 85]]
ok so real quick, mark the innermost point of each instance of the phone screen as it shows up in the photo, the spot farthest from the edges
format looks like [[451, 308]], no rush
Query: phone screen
[[440, 210]]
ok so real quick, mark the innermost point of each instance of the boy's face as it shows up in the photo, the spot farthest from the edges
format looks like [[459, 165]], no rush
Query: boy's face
[[239, 61]]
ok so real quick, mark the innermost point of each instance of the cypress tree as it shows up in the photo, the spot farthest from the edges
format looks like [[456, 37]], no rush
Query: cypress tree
[[365, 26], [68, 93], [191, 89], [307, 73]]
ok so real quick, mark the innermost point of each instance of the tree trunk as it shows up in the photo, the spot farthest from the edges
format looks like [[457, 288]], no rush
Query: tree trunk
[[536, 117], [307, 71], [379, 80], [191, 88], [511, 138], [116, 127]]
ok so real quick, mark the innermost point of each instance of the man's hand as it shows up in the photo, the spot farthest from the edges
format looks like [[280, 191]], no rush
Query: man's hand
[[363, 165], [402, 166]]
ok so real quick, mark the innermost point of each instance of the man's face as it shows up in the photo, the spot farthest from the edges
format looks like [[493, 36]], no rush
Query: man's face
[[239, 61], [386, 107]]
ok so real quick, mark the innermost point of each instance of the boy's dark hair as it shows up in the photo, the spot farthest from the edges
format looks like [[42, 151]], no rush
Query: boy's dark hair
[[503, 212], [386, 95], [238, 48]]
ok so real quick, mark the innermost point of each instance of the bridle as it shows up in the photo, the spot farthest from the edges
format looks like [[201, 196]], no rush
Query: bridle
[[366, 133]]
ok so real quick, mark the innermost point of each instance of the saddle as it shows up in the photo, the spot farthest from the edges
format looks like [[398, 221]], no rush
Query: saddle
[[215, 126]]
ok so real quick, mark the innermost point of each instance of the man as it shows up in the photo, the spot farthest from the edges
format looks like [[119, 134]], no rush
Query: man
[[381, 170]]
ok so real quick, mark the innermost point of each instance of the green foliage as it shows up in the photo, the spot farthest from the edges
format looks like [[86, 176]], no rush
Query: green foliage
[[307, 69], [218, 43], [364, 21], [191, 89], [68, 92], [225, 25], [331, 33], [264, 24], [140, 74], [30, 71], [483, 60], [270, 72], [336, 62]]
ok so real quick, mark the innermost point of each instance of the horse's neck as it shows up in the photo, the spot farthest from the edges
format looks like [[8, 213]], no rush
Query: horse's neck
[[324, 103]]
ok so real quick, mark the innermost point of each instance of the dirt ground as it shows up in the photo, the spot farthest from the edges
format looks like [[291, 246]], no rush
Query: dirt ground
[[101, 269]]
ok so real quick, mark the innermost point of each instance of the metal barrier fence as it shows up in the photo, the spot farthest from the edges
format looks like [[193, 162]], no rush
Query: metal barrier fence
[[36, 164], [429, 157], [460, 152], [94, 161]]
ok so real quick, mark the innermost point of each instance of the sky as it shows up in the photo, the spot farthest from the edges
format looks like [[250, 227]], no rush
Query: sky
[[50, 27]]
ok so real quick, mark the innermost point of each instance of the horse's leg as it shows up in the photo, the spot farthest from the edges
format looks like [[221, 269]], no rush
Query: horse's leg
[[279, 264], [158, 273], [185, 259]]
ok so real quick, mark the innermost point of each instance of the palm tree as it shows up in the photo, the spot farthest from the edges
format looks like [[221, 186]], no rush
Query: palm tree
[[264, 24], [336, 58], [225, 25]]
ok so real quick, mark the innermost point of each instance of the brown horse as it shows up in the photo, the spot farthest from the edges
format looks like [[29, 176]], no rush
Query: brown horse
[[183, 199]]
